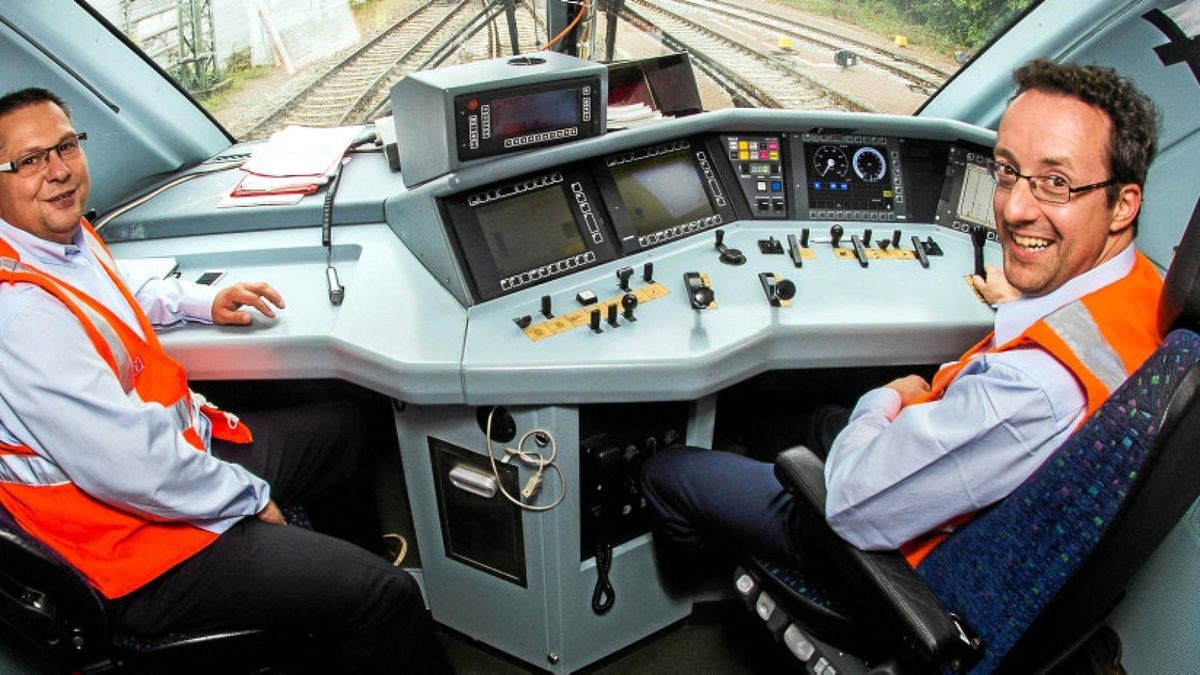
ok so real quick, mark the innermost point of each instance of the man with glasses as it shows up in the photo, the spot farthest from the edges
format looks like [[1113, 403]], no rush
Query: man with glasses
[[914, 458], [164, 503]]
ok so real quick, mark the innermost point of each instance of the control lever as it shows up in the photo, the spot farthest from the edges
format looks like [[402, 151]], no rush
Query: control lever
[[623, 275], [859, 251], [794, 250], [896, 239], [628, 302], [612, 314], [835, 236], [866, 238], [884, 243], [546, 307], [978, 238], [770, 245], [729, 256], [594, 321], [778, 290], [648, 273], [804, 237], [700, 294], [920, 251]]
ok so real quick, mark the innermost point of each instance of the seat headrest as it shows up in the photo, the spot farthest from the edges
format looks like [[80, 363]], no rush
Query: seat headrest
[[1180, 304]]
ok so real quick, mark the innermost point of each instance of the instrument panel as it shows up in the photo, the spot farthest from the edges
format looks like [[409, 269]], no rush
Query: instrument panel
[[516, 234]]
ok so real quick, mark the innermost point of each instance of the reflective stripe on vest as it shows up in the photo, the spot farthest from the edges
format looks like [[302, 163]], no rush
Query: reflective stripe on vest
[[30, 470], [181, 411], [1073, 323], [110, 337]]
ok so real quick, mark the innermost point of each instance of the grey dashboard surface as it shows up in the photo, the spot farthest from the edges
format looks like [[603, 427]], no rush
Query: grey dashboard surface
[[405, 330]]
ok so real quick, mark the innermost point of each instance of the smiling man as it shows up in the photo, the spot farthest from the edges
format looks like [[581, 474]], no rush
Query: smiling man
[[916, 458], [165, 504]]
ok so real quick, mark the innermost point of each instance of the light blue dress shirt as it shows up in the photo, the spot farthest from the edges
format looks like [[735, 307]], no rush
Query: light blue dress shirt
[[60, 398], [892, 475]]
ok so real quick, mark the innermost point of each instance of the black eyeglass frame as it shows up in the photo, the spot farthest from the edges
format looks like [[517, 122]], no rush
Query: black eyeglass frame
[[1038, 194], [14, 165]]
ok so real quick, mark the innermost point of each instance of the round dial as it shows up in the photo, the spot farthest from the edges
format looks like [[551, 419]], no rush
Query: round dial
[[869, 164], [829, 161]]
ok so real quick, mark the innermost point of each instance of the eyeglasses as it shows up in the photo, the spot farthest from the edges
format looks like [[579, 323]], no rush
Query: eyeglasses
[[36, 162], [1049, 189]]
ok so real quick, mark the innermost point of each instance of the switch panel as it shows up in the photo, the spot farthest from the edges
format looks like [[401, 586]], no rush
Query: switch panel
[[758, 163]]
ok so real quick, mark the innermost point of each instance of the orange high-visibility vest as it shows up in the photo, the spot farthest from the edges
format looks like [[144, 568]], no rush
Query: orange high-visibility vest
[[117, 549], [1101, 338]]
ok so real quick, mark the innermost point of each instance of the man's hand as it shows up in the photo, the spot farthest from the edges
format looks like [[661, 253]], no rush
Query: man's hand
[[910, 388], [995, 289], [271, 514], [229, 300]]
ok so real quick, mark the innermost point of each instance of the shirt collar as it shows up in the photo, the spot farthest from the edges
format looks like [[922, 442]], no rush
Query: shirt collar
[[1014, 317], [42, 250]]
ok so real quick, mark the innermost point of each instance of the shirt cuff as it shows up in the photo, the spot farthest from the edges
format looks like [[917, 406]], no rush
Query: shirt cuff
[[882, 401], [197, 302]]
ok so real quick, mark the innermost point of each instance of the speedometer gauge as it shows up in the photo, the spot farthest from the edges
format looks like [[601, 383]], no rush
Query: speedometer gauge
[[829, 161], [870, 164]]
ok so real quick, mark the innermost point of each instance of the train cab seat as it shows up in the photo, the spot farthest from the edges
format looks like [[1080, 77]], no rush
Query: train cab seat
[[1025, 583], [50, 605]]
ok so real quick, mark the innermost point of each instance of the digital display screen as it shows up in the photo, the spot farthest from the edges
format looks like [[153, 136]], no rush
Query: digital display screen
[[662, 191], [848, 177], [529, 230], [975, 198], [521, 115]]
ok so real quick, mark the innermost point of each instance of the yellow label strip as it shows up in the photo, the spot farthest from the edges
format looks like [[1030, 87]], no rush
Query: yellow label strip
[[581, 317], [876, 254]]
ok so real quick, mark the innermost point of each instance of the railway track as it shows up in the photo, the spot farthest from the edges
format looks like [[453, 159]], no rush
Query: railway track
[[720, 36], [357, 87], [740, 68], [914, 72]]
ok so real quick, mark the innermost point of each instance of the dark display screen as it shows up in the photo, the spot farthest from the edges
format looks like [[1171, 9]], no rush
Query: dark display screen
[[662, 191], [529, 230], [521, 115], [848, 177]]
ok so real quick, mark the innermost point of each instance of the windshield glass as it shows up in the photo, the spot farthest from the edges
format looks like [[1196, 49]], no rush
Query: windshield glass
[[259, 65]]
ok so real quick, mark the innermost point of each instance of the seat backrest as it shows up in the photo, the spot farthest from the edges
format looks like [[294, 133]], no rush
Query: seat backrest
[[1036, 573], [1180, 303], [44, 599]]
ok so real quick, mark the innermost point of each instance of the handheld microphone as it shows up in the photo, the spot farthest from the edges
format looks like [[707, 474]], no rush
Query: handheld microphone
[[337, 292]]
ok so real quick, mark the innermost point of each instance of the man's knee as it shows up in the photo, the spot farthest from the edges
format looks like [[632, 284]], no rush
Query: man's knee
[[663, 468], [392, 594]]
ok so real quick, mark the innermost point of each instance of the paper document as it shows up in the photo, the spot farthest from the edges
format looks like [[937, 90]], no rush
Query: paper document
[[301, 151], [633, 115]]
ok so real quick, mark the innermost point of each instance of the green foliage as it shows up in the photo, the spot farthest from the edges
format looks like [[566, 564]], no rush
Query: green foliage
[[949, 25], [967, 23]]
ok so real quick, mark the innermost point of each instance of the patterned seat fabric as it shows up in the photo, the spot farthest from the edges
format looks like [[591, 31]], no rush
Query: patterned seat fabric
[[1001, 570]]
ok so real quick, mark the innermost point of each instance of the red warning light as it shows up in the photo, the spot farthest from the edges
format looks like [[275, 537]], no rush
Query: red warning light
[[473, 104]]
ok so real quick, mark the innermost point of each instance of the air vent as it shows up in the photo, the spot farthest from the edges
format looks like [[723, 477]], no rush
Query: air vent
[[234, 153]]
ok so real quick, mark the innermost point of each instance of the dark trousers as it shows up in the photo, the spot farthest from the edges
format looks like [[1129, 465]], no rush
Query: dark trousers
[[261, 575], [709, 501]]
